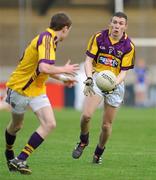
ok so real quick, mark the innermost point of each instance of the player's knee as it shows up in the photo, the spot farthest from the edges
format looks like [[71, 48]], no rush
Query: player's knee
[[86, 118], [106, 127], [16, 127], [50, 125]]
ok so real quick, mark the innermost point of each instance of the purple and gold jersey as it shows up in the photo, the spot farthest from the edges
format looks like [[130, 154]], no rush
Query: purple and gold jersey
[[110, 55], [26, 79]]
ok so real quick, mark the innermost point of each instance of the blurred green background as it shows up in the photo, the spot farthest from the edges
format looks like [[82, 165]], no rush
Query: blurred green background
[[130, 153]]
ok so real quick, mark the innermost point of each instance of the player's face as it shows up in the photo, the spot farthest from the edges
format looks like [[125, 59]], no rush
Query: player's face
[[118, 25], [65, 32]]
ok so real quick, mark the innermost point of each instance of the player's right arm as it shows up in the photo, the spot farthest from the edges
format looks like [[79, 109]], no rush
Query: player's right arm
[[88, 66], [91, 52]]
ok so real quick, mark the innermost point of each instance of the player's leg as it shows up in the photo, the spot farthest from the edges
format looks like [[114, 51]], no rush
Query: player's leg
[[106, 130], [18, 104], [13, 127], [47, 121], [90, 104], [44, 112], [112, 102]]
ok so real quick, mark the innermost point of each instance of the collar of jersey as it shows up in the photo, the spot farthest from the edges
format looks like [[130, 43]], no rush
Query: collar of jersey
[[52, 32]]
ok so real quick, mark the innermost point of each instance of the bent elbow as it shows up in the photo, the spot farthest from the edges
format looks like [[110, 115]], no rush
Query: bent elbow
[[43, 68]]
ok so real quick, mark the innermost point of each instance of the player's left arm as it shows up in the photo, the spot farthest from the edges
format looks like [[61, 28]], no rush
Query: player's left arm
[[46, 58], [121, 77], [127, 63]]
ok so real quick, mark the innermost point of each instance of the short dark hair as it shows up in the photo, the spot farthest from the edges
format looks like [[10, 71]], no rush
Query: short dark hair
[[121, 15], [60, 20]]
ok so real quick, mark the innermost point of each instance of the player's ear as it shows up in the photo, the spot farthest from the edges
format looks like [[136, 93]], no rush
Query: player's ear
[[109, 23], [126, 26], [65, 29]]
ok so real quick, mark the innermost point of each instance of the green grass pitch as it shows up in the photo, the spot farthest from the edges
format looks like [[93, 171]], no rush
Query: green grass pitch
[[130, 152]]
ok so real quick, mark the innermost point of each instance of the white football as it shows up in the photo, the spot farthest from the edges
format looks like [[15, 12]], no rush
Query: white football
[[105, 80]]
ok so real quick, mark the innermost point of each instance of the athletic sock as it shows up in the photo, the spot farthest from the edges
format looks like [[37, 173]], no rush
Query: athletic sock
[[84, 138], [10, 139], [34, 141], [99, 151]]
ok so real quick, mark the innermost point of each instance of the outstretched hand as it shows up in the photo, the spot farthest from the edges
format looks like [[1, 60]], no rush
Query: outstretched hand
[[71, 68], [69, 81]]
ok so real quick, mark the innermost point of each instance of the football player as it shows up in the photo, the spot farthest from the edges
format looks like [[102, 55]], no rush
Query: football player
[[110, 49], [26, 87]]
